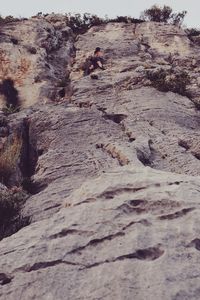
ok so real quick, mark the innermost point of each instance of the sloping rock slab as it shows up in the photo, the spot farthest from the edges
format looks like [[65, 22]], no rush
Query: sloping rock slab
[[132, 233]]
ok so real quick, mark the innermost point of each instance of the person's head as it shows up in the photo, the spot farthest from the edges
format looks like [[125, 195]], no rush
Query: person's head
[[98, 52]]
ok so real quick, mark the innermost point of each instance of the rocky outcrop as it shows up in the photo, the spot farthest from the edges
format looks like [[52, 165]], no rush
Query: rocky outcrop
[[113, 173], [35, 54]]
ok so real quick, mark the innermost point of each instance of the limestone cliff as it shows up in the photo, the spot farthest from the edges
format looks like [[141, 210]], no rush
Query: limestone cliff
[[113, 164]]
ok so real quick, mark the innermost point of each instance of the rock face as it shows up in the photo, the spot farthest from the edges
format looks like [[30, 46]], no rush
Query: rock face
[[130, 233], [114, 210]]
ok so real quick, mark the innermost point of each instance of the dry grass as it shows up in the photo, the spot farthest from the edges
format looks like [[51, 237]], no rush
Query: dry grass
[[11, 200], [9, 157]]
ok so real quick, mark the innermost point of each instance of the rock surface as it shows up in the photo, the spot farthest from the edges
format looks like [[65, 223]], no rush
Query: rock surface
[[130, 233], [115, 173]]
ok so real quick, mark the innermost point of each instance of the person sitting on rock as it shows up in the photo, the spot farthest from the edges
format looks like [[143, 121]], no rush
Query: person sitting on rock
[[94, 62]]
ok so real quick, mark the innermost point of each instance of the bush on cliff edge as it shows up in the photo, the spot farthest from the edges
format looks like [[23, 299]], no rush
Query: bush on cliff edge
[[163, 14]]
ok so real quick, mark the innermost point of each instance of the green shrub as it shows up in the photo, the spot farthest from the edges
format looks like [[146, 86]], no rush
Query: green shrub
[[157, 14], [11, 220], [81, 23], [169, 80], [163, 14]]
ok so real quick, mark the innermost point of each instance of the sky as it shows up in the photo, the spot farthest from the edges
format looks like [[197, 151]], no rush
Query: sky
[[112, 8]]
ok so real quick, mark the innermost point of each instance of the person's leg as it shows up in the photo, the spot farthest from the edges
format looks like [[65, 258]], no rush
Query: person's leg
[[87, 70], [90, 69]]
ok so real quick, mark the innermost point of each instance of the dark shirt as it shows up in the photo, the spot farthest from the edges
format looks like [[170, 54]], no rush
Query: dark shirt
[[95, 60]]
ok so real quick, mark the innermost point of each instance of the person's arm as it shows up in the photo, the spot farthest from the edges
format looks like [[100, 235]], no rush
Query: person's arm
[[100, 64]]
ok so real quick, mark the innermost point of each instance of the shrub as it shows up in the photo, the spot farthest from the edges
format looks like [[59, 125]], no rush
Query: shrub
[[9, 157], [11, 220], [10, 109], [125, 19], [157, 14], [9, 19], [178, 18], [194, 35], [168, 80], [81, 23], [163, 14], [192, 32]]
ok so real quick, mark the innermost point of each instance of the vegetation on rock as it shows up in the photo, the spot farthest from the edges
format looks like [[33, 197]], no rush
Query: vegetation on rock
[[163, 14], [169, 80], [125, 19], [194, 35], [10, 216], [9, 19], [80, 23]]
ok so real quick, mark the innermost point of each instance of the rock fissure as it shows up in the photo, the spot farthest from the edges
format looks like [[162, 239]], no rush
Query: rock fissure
[[66, 232], [149, 254], [177, 214], [95, 242]]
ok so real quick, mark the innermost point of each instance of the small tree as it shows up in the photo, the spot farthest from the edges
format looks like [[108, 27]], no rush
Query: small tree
[[157, 14], [177, 19], [81, 23], [163, 14]]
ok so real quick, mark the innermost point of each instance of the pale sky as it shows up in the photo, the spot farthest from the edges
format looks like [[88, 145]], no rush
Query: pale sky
[[112, 8]]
